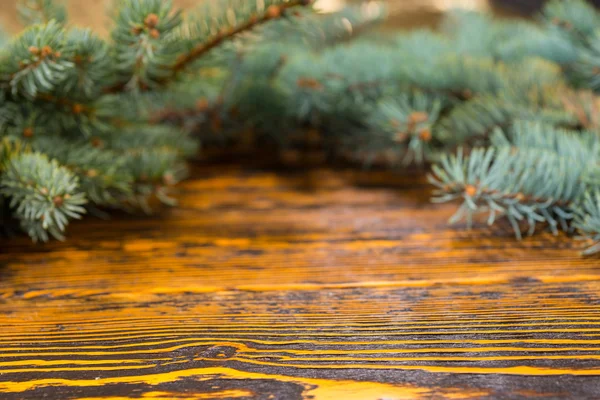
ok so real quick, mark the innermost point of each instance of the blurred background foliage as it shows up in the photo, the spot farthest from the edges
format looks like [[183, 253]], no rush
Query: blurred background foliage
[[404, 13]]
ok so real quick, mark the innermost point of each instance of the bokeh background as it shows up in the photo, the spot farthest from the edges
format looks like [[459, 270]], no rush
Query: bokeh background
[[404, 13]]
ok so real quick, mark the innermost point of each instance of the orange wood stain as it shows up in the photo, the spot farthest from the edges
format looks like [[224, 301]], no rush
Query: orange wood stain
[[314, 284]]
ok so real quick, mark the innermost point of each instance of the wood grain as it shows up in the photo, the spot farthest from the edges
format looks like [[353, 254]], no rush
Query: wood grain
[[298, 284]]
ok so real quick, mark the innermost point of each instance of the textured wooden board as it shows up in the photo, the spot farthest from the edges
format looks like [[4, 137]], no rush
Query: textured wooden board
[[306, 284]]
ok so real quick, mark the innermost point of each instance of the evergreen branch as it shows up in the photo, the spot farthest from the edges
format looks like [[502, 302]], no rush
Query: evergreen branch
[[576, 18], [587, 221], [9, 148], [319, 31], [404, 124], [529, 185], [475, 120], [42, 194], [101, 172], [64, 102], [581, 146], [41, 11], [142, 52], [272, 12], [91, 65], [36, 60]]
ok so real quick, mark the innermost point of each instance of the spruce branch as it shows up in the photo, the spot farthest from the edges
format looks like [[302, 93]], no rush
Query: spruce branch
[[101, 172], [587, 221], [35, 61], [402, 125], [576, 18], [205, 37], [43, 195], [91, 62], [41, 11], [276, 10], [533, 172], [142, 53], [319, 31], [475, 120], [520, 185]]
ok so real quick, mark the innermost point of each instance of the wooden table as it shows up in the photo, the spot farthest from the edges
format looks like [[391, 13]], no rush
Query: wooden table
[[314, 284]]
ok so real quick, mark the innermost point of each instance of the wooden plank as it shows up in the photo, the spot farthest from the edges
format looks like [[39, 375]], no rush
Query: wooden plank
[[314, 284]]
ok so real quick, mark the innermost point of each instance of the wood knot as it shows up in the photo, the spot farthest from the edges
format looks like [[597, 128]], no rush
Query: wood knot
[[218, 353]]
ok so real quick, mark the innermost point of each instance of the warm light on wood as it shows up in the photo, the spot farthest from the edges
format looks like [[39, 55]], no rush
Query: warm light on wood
[[297, 284]]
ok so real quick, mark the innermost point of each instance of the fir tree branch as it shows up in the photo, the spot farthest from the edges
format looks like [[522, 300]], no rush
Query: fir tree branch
[[41, 11], [43, 195], [271, 13], [519, 185], [587, 221]]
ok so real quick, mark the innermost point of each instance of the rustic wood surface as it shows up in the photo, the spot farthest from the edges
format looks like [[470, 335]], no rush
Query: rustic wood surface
[[298, 284]]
